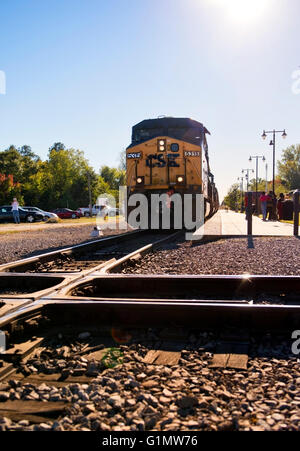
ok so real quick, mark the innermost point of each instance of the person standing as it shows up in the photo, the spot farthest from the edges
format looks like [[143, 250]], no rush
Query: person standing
[[280, 206], [15, 211], [264, 198], [270, 204], [274, 207]]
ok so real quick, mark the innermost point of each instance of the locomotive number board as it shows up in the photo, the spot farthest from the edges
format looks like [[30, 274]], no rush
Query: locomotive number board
[[192, 154], [134, 156]]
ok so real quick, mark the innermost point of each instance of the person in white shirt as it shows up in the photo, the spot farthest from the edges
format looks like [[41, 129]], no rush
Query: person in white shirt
[[15, 211]]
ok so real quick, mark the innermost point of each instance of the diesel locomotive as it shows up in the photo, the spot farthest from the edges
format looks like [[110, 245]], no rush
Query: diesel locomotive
[[171, 154]]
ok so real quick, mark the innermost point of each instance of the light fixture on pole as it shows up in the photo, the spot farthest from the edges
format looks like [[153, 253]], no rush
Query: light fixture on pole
[[241, 179], [273, 144], [247, 176], [257, 158]]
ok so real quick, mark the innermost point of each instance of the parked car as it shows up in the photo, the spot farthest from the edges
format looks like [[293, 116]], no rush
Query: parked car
[[47, 214], [66, 213], [113, 212], [6, 215], [85, 211]]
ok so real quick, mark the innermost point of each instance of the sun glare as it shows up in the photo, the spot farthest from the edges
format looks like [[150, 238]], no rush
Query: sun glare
[[243, 12]]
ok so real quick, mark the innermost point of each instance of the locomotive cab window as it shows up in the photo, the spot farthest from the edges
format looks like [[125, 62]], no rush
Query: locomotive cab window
[[145, 134]]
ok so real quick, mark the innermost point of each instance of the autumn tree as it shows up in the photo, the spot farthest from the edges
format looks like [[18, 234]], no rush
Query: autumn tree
[[289, 167]]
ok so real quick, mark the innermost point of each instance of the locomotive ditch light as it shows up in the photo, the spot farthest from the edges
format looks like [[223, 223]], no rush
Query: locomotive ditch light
[[180, 180]]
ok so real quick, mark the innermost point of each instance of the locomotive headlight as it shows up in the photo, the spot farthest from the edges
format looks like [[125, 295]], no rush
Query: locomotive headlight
[[140, 181], [180, 179], [161, 143]]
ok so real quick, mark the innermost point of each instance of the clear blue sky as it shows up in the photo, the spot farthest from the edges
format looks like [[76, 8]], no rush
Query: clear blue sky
[[84, 71]]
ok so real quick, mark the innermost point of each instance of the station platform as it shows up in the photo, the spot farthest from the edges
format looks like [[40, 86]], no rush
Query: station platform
[[228, 223]]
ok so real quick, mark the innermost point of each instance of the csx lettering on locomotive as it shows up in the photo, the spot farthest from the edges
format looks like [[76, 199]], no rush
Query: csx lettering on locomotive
[[159, 161]]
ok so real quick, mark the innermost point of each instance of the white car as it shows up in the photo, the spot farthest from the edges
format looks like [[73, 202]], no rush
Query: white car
[[95, 210], [47, 214], [113, 212]]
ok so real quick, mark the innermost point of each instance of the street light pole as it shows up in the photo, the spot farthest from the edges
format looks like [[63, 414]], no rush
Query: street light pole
[[247, 176], [273, 143], [242, 186], [257, 157], [266, 178]]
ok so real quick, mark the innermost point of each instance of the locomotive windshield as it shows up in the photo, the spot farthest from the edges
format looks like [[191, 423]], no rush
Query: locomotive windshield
[[144, 134]]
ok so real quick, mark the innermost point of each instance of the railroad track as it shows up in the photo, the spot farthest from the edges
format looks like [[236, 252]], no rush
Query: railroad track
[[90, 284], [46, 302]]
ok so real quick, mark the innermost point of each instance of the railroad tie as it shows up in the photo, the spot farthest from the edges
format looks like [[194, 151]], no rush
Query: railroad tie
[[231, 355]]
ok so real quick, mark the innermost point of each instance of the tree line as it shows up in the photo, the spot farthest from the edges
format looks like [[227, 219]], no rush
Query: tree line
[[61, 181], [288, 178]]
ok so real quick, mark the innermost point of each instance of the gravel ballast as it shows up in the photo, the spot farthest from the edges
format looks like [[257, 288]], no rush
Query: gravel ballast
[[260, 256], [136, 396], [15, 246]]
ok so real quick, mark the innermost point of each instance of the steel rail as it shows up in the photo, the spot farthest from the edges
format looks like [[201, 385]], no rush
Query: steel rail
[[100, 296], [71, 250], [62, 281]]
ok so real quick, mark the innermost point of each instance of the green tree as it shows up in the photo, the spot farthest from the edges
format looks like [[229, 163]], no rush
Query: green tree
[[123, 162], [57, 147], [11, 163], [64, 180], [289, 167], [27, 152], [113, 177], [261, 185], [233, 200], [280, 187]]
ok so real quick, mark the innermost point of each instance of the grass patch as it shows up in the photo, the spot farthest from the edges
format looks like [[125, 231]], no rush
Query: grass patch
[[113, 358]]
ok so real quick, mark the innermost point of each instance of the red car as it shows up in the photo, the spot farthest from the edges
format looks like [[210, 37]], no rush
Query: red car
[[65, 213]]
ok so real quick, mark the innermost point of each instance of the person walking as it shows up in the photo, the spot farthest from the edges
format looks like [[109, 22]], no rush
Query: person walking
[[15, 210], [280, 206], [264, 198]]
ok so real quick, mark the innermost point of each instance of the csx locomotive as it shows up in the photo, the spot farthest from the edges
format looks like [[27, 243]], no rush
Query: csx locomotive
[[171, 154]]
